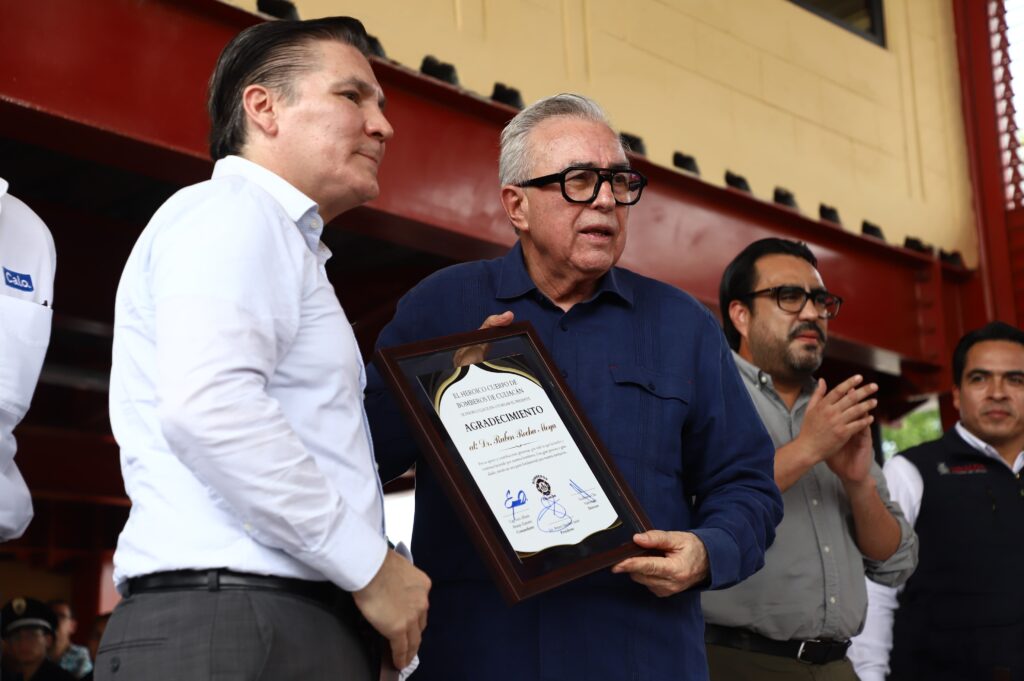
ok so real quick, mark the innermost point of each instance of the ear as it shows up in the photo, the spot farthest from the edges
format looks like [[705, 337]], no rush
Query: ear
[[739, 314], [517, 207], [261, 109], [956, 398]]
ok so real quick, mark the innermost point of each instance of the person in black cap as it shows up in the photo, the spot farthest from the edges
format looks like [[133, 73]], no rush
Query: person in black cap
[[28, 627]]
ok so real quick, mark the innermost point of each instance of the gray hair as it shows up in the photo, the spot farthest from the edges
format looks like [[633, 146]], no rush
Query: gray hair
[[515, 162]]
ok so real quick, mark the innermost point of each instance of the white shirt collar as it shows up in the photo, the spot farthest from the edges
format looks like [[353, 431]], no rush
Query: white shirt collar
[[985, 448], [299, 207]]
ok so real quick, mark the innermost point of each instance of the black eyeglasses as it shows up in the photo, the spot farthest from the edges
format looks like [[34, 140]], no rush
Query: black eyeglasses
[[794, 298], [581, 184]]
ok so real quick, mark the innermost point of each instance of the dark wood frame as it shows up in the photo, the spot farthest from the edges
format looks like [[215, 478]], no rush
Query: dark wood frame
[[508, 571]]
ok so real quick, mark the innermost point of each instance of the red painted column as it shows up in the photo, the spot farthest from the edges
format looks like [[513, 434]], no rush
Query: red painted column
[[85, 593], [977, 82], [1015, 230]]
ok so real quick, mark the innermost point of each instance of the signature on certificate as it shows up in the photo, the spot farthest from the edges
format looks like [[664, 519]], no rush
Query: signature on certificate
[[584, 494], [513, 503], [552, 517]]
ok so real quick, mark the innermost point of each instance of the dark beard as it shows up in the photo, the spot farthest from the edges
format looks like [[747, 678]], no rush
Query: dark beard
[[801, 362], [781, 360]]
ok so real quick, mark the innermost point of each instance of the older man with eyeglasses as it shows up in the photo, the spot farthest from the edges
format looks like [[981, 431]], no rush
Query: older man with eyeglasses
[[650, 368], [794, 619]]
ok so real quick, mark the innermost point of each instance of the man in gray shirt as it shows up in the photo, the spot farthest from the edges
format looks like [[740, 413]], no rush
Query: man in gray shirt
[[794, 618]]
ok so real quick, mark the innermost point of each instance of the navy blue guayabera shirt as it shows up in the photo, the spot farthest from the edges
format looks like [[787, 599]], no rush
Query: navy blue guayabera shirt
[[652, 371]]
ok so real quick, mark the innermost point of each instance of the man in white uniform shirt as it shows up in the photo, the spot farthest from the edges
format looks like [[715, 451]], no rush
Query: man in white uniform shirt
[[255, 544], [960, 616], [28, 261]]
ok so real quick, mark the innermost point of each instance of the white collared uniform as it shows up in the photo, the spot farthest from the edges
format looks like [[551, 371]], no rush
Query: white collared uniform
[[236, 392], [871, 649], [28, 261]]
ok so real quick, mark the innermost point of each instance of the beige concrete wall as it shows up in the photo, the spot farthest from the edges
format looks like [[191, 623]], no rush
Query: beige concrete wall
[[761, 87]]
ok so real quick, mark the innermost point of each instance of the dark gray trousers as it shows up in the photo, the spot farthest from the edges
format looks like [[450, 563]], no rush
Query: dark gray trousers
[[730, 664], [229, 636]]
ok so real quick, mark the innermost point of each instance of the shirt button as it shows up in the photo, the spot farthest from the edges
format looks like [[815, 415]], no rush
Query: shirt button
[[832, 600], [650, 386], [826, 549], [563, 326], [814, 502]]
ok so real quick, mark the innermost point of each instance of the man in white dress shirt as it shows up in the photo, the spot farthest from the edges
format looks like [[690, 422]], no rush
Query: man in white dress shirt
[[960, 616], [255, 545], [28, 261]]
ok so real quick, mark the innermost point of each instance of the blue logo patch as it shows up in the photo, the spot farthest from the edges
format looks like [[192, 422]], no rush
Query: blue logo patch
[[22, 282]]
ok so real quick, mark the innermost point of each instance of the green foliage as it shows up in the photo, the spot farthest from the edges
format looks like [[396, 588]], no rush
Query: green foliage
[[921, 426]]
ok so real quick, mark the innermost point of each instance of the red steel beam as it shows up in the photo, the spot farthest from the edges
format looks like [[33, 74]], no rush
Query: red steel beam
[[124, 80], [135, 68], [441, 195]]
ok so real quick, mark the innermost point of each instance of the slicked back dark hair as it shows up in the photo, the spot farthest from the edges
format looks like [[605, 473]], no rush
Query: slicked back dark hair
[[740, 276], [271, 54], [993, 331]]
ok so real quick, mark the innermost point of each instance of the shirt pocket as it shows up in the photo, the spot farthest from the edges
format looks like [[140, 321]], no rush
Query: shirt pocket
[[653, 406], [24, 335], [652, 410]]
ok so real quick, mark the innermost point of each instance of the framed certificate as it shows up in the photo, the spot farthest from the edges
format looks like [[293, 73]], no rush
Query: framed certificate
[[534, 487]]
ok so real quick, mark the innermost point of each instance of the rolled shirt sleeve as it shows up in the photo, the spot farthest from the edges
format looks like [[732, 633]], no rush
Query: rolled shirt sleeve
[[900, 565], [813, 582]]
